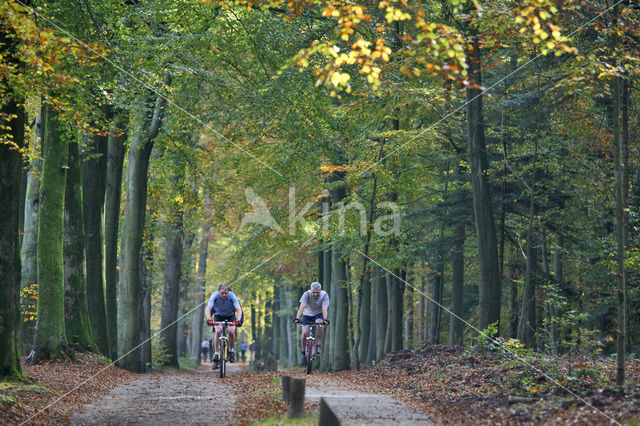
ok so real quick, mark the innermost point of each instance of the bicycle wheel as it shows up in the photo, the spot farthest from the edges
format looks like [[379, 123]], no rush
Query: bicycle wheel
[[309, 356], [223, 358]]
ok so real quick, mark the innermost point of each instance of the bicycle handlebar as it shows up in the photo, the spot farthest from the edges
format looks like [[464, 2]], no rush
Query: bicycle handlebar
[[236, 323]]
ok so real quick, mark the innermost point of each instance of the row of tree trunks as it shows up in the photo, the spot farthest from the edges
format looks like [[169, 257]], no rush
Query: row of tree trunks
[[198, 317], [148, 120], [172, 274]]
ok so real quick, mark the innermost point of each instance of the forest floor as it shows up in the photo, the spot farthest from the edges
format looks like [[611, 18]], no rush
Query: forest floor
[[439, 384]]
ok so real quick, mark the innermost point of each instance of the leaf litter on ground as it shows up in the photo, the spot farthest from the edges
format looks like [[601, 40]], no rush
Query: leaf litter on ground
[[450, 385]]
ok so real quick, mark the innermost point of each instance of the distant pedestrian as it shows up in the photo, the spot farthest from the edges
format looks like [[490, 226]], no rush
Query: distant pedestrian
[[252, 349], [243, 351], [205, 349]]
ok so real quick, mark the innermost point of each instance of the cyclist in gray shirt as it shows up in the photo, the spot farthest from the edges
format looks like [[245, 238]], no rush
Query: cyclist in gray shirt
[[314, 307]]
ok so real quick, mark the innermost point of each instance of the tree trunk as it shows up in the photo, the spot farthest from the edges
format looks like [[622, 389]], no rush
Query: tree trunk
[[202, 278], [10, 175], [172, 276], [77, 328], [275, 327], [130, 288], [390, 314], [340, 327], [422, 308], [373, 315], [325, 358], [398, 310], [456, 326], [50, 341], [29, 248], [147, 268], [291, 341], [527, 326], [625, 99], [513, 304], [364, 319], [381, 300], [93, 187], [254, 331], [115, 160], [410, 318], [489, 279], [621, 335], [339, 283], [187, 284], [435, 310]]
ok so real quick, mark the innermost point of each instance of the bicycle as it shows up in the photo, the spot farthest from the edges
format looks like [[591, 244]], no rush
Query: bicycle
[[223, 344], [310, 349]]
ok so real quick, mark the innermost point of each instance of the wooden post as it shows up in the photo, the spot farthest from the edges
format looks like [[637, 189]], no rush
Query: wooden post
[[286, 386], [296, 393], [327, 416]]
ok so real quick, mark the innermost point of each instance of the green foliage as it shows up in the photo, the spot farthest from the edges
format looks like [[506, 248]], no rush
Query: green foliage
[[488, 341], [188, 363], [9, 391], [159, 353], [307, 420]]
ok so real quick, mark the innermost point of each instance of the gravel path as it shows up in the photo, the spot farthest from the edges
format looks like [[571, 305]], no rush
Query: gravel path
[[193, 397], [360, 408], [186, 397]]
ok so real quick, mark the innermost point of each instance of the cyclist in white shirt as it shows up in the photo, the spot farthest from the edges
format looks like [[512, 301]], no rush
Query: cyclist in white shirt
[[314, 307]]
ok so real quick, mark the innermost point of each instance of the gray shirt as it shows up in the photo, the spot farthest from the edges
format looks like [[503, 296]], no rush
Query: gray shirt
[[314, 306]]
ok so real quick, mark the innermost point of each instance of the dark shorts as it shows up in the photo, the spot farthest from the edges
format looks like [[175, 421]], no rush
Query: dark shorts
[[217, 318], [308, 319]]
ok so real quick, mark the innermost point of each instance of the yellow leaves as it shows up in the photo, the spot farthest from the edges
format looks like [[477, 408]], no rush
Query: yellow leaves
[[331, 11], [331, 168], [339, 78], [394, 14]]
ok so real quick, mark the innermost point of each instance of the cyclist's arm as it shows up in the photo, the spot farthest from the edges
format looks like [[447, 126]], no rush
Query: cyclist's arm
[[207, 312], [301, 310], [238, 312], [325, 307]]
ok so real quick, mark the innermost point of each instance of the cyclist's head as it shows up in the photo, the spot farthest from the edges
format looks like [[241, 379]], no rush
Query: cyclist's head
[[315, 288], [223, 289]]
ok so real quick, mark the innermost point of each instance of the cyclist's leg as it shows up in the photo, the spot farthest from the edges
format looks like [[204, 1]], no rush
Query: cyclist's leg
[[319, 330], [215, 340], [305, 333], [232, 336]]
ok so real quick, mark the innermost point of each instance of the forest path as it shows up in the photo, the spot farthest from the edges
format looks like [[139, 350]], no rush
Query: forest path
[[201, 397], [359, 403], [166, 398], [364, 408]]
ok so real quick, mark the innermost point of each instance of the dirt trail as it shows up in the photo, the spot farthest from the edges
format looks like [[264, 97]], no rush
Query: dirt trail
[[362, 408], [185, 397], [191, 397]]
